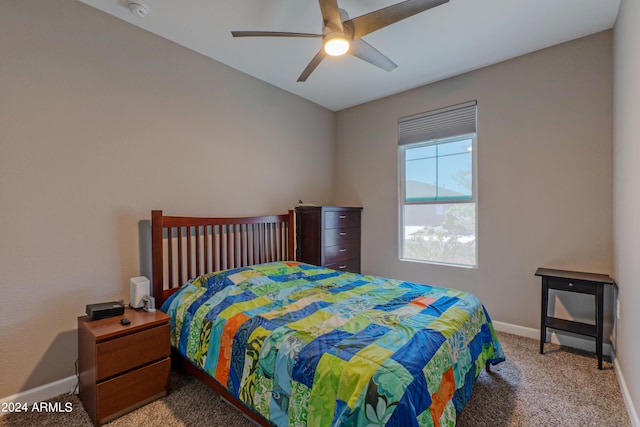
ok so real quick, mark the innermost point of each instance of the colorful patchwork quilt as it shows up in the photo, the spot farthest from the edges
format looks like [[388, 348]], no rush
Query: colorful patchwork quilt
[[308, 346]]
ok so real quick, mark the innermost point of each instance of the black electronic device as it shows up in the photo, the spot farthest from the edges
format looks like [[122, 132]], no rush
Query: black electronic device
[[104, 309]]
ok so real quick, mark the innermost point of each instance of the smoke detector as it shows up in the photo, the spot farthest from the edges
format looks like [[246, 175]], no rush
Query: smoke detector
[[138, 9]]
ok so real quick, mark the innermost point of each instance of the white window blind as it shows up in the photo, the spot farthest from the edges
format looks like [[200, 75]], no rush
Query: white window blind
[[446, 122]]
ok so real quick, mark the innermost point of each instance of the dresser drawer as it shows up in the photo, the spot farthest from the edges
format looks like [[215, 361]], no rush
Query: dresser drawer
[[130, 351], [341, 236], [341, 252], [131, 390], [352, 265], [572, 285], [340, 219]]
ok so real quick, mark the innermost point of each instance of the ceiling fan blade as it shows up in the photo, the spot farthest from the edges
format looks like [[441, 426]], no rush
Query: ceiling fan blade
[[312, 65], [271, 34], [331, 15], [370, 22], [363, 50]]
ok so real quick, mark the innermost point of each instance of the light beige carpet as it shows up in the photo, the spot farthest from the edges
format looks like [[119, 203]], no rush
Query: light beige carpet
[[561, 388]]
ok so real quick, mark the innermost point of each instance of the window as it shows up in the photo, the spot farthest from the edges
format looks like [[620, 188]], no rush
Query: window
[[436, 152]]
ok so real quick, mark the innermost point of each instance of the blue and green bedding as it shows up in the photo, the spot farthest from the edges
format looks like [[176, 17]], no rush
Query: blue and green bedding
[[309, 346]]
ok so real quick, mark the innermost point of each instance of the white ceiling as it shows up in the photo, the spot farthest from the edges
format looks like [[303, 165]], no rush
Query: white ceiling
[[456, 37]]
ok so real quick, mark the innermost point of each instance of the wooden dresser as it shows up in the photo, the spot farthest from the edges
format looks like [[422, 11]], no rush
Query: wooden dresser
[[329, 236], [122, 367]]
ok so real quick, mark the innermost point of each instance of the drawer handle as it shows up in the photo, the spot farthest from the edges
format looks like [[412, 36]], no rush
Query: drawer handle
[[570, 285], [345, 250], [342, 216], [343, 233], [342, 267]]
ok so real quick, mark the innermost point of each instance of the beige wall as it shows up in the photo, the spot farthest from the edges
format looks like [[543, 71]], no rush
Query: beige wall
[[626, 184], [544, 175], [101, 122]]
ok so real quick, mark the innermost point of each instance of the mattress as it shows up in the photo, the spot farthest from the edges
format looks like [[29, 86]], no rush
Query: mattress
[[303, 345]]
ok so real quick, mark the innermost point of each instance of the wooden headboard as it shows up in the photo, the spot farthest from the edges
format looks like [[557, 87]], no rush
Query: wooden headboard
[[186, 247]]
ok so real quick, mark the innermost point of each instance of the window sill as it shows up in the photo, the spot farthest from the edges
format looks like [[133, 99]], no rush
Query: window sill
[[446, 264]]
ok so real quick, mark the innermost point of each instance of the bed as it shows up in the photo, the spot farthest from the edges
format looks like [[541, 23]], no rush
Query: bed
[[290, 343]]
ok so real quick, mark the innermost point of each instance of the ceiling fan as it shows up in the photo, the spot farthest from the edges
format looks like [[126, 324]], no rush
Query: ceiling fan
[[342, 35]]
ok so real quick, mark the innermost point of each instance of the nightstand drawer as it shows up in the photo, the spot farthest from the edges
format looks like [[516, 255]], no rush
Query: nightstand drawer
[[572, 285], [341, 236], [339, 219], [121, 394], [341, 252], [130, 351]]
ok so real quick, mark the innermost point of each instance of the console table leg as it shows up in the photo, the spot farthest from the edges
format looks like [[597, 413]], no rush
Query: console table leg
[[543, 315], [599, 322]]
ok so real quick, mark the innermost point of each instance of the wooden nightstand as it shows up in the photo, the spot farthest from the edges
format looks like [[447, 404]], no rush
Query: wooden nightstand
[[122, 367]]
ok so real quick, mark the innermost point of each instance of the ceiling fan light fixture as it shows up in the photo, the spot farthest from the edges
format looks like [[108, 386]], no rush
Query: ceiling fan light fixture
[[336, 44]]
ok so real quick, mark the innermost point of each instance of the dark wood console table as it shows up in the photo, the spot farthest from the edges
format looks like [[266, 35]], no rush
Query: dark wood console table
[[573, 281]]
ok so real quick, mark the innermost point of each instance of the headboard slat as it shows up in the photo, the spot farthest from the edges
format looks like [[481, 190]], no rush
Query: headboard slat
[[170, 255], [189, 260], [180, 260], [230, 246]]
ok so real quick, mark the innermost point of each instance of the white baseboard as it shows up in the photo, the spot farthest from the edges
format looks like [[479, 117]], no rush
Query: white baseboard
[[573, 341], [44, 392], [628, 402]]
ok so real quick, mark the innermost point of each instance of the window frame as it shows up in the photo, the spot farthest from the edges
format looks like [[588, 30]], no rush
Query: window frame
[[402, 201]]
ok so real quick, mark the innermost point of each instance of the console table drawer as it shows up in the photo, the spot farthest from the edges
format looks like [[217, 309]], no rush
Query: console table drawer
[[572, 285]]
